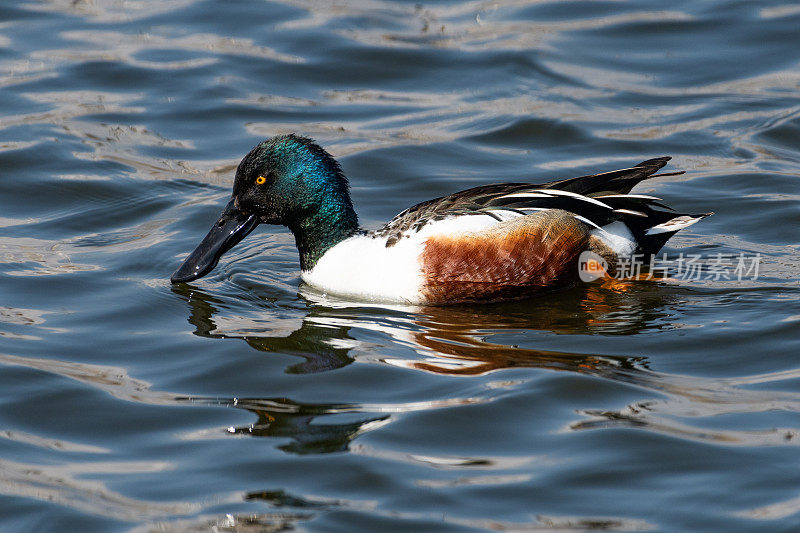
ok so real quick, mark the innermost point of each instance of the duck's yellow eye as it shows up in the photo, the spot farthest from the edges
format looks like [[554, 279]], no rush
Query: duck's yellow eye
[[261, 180]]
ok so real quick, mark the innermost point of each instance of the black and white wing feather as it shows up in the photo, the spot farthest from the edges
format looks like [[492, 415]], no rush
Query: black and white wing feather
[[597, 200]]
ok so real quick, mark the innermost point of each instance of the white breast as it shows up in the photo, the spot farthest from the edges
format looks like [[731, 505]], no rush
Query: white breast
[[363, 268]]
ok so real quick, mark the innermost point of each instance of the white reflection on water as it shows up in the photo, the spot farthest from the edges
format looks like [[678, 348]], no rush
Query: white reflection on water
[[49, 443], [47, 257], [787, 10], [109, 10], [68, 105], [63, 484], [476, 26], [774, 511], [112, 380], [124, 47], [451, 462], [42, 257]]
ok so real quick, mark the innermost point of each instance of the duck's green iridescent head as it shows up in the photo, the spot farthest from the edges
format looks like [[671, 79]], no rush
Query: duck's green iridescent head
[[287, 180]]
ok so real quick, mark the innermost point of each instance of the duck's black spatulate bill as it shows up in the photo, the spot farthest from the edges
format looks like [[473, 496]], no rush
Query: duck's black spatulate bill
[[233, 226]]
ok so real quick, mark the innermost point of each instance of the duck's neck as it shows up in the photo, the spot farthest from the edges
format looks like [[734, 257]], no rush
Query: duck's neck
[[317, 233]]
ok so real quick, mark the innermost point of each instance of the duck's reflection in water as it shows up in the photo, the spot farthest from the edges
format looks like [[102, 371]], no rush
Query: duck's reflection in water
[[451, 340], [317, 345], [469, 340], [473, 342], [478, 340], [285, 418]]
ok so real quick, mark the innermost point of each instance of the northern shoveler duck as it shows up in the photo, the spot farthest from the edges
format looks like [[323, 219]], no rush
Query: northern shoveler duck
[[488, 243]]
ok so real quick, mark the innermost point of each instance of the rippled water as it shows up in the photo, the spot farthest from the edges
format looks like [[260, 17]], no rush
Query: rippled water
[[246, 401]]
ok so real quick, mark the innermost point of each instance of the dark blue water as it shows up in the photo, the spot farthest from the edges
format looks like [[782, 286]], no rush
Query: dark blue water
[[248, 402]]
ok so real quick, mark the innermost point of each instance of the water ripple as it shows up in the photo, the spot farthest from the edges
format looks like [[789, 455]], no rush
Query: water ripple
[[248, 401]]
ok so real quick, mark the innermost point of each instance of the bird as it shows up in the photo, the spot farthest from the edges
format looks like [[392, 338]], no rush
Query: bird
[[503, 241]]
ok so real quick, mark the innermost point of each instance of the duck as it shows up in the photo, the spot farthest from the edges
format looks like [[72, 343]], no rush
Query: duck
[[502, 241]]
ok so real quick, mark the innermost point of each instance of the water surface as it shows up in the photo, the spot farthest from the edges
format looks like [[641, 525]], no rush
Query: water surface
[[247, 401]]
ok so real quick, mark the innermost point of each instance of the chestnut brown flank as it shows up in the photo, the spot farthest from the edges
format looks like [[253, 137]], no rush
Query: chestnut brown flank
[[512, 259]]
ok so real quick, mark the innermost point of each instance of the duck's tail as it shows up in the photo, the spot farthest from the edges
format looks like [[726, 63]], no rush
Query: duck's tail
[[616, 181], [653, 238]]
